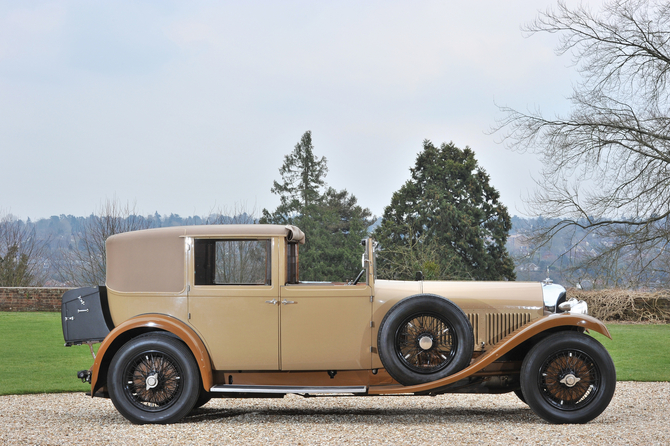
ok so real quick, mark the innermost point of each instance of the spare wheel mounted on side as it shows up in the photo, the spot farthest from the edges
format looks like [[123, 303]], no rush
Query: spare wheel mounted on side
[[424, 338]]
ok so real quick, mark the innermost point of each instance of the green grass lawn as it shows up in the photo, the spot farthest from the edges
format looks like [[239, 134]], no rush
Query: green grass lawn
[[639, 352], [33, 359]]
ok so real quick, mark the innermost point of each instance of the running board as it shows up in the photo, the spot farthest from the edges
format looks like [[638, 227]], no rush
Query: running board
[[234, 388]]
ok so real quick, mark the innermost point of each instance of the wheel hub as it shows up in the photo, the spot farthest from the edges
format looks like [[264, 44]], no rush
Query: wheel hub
[[152, 381], [570, 380], [425, 342]]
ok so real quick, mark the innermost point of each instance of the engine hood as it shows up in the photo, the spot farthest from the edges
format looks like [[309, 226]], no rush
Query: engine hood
[[470, 295]]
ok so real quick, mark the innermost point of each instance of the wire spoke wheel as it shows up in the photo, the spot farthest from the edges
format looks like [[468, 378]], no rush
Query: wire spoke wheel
[[424, 338], [569, 379], [425, 343], [152, 381], [154, 378]]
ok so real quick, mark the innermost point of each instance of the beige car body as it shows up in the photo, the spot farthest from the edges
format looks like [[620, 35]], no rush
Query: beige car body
[[280, 333]]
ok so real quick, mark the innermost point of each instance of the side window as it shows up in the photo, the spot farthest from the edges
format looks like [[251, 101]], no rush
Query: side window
[[292, 263], [232, 262]]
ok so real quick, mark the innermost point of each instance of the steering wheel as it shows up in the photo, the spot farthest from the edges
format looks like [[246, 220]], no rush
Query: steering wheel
[[358, 277]]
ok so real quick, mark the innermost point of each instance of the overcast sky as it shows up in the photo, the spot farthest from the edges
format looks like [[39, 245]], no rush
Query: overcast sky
[[183, 107]]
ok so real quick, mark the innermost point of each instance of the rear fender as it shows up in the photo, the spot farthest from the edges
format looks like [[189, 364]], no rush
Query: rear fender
[[143, 324]]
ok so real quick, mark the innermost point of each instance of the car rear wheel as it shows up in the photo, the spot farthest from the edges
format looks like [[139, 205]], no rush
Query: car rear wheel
[[202, 399], [154, 379], [424, 338], [568, 377]]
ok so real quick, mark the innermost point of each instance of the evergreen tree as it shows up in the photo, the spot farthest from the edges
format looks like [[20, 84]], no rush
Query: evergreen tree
[[334, 229], [446, 220], [22, 253], [15, 268], [332, 220], [303, 175]]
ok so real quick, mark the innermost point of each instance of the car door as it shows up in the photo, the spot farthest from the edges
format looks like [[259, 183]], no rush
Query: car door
[[233, 301], [326, 326]]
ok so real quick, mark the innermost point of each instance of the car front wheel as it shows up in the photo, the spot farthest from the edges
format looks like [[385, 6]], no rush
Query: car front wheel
[[154, 379], [568, 377]]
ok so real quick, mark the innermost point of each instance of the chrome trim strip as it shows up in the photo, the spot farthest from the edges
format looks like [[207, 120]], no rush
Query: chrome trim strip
[[234, 388]]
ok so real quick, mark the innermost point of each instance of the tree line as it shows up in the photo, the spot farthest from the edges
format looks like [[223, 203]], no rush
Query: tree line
[[561, 260]]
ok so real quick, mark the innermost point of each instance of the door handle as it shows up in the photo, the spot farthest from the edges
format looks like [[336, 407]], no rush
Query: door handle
[[287, 302], [273, 301]]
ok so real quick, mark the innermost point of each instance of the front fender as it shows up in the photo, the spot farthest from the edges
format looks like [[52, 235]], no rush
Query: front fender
[[146, 323], [504, 346]]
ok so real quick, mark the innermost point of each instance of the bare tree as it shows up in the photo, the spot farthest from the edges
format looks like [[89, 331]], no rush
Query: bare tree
[[607, 164], [83, 261], [22, 255]]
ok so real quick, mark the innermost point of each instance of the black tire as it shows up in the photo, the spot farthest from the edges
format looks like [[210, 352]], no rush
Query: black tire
[[424, 338], [159, 360], [203, 399], [568, 377], [519, 394]]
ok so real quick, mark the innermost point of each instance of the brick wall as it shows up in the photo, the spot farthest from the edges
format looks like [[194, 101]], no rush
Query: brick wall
[[31, 299]]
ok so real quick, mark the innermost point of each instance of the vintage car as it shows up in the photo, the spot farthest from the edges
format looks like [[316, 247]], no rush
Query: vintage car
[[192, 313]]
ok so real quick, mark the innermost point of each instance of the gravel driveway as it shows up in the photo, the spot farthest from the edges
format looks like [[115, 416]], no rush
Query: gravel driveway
[[638, 414]]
